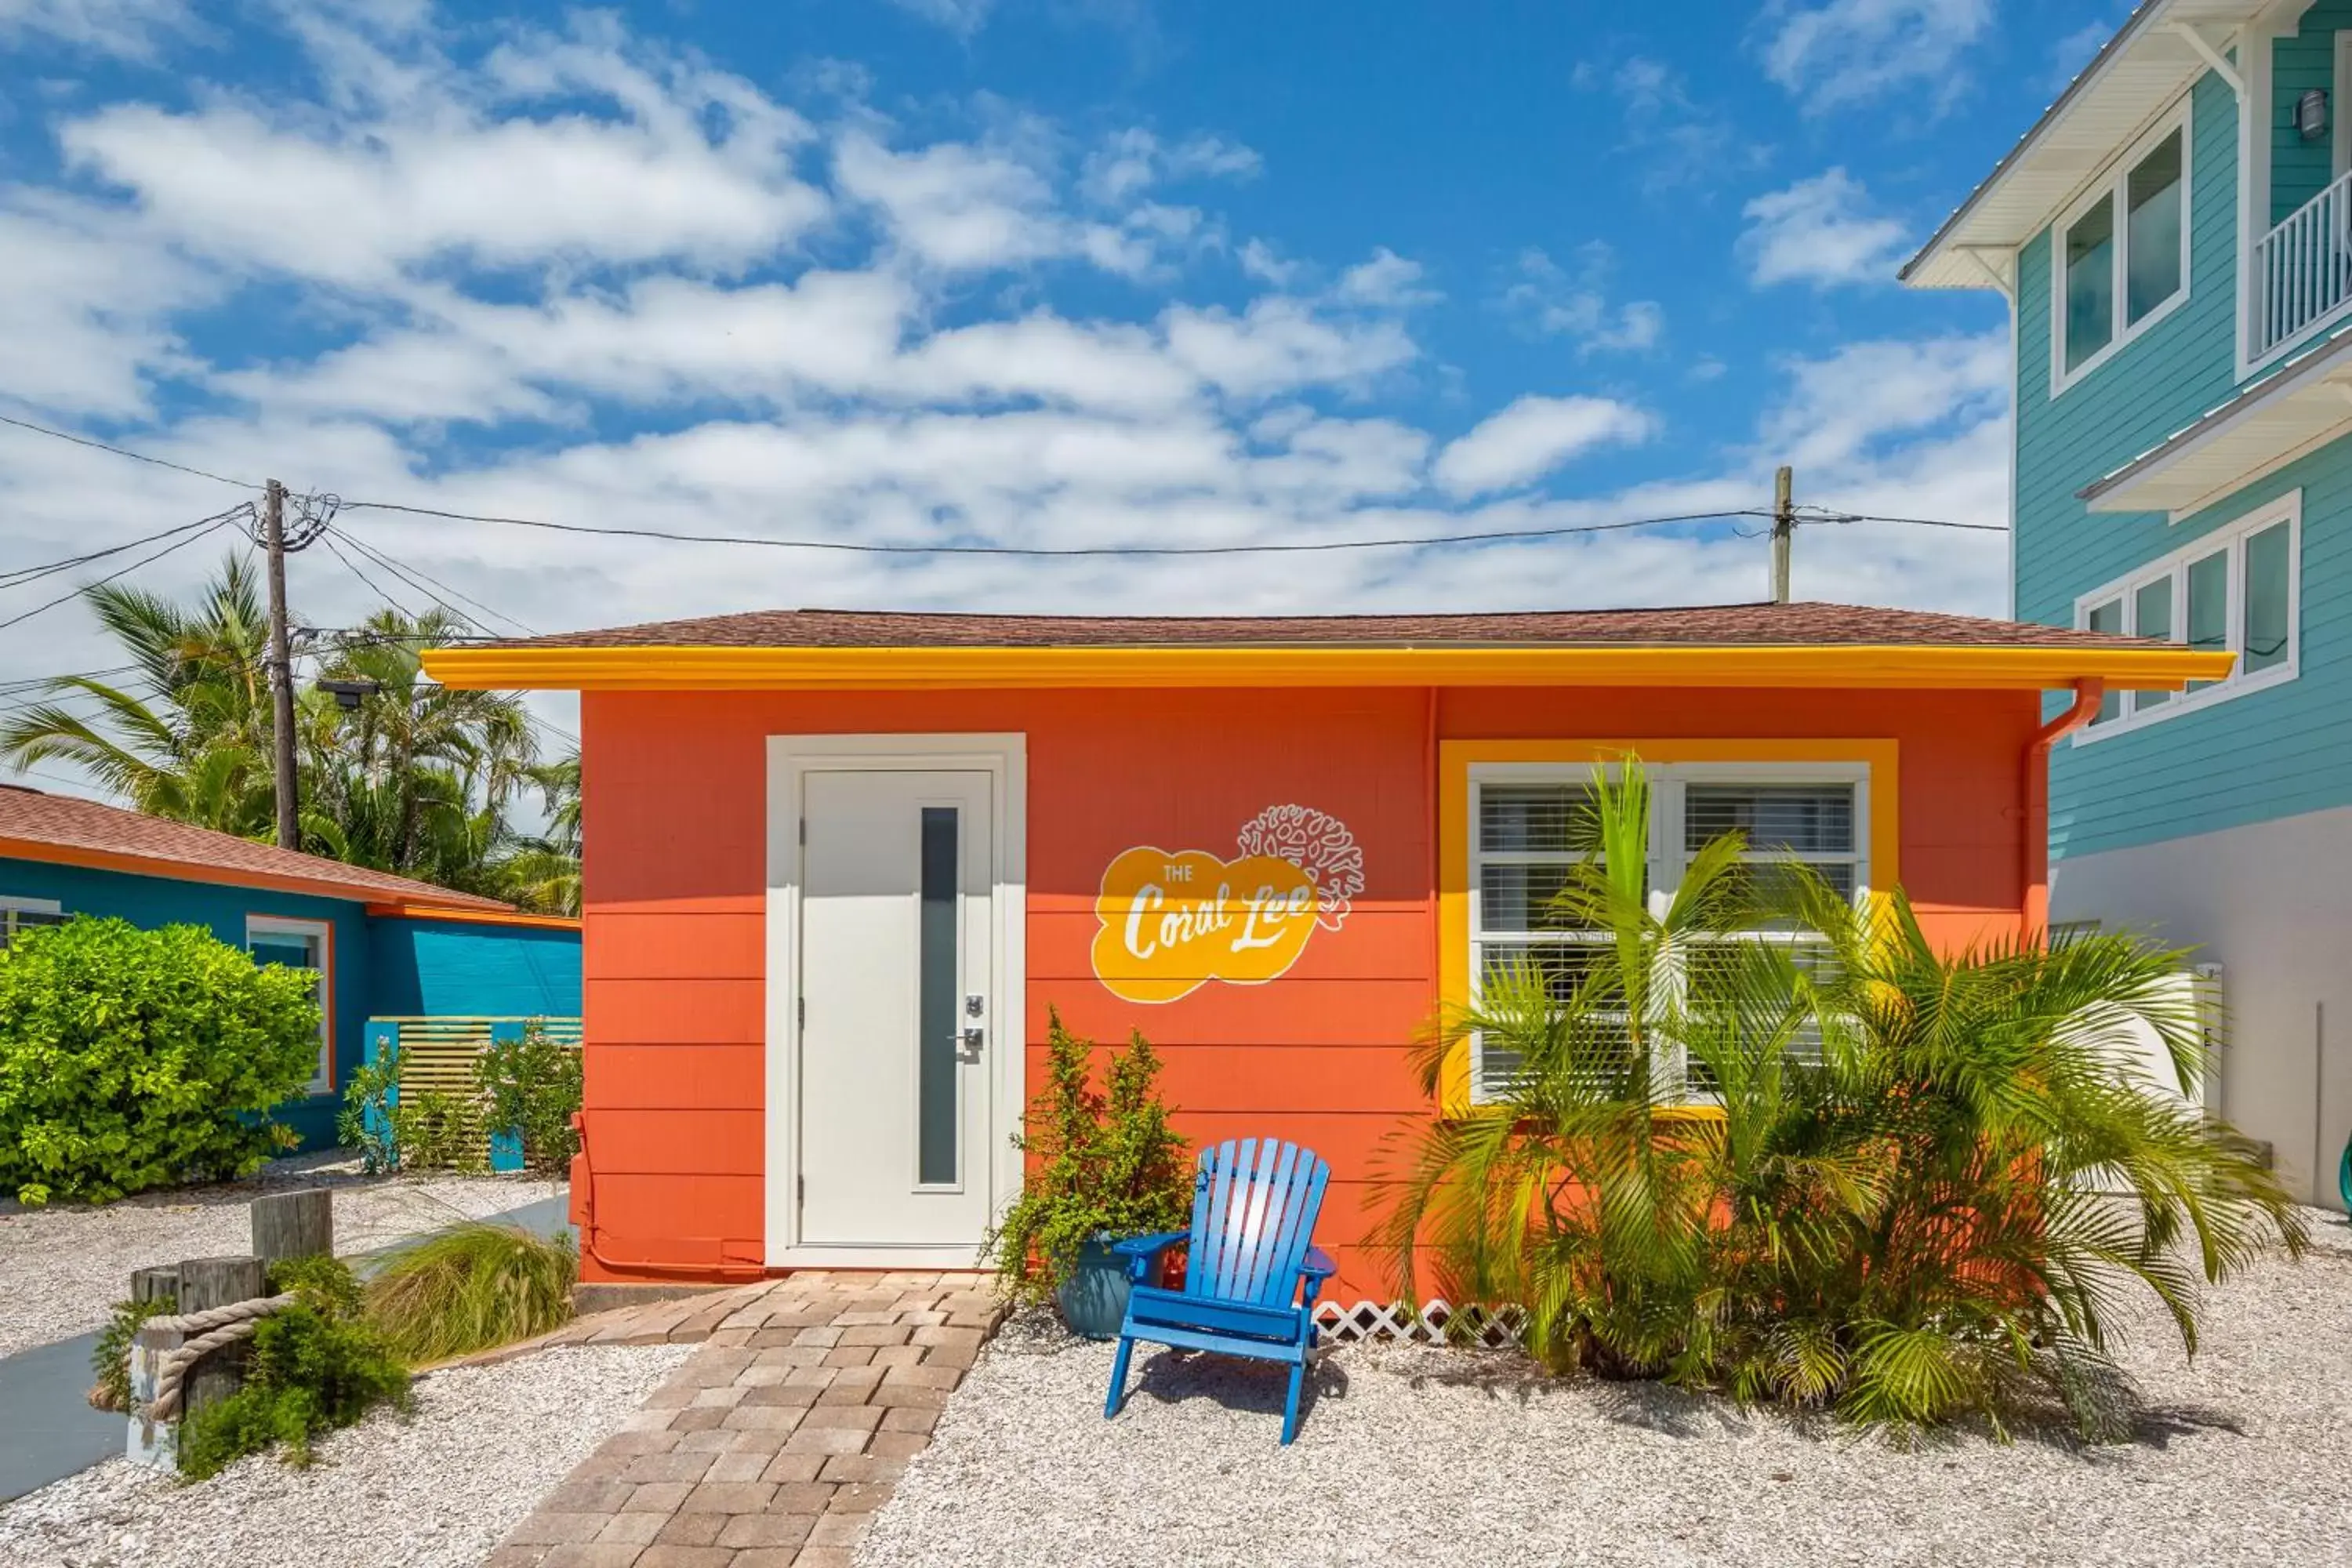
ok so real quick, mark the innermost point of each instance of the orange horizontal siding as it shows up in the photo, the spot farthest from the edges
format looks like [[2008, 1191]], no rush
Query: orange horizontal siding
[[646, 1141], [1268, 1080], [634, 944], [678, 1012], [675, 1077]]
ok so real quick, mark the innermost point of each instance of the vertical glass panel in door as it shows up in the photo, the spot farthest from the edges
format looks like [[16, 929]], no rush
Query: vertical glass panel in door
[[2209, 606], [2152, 231], [2269, 608], [2152, 617], [2090, 283], [938, 1161]]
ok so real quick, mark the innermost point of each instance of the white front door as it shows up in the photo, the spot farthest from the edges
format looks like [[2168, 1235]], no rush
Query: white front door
[[896, 1029]]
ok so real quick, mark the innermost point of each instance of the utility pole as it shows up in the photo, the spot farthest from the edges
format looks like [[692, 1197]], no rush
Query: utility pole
[[1784, 531], [281, 666]]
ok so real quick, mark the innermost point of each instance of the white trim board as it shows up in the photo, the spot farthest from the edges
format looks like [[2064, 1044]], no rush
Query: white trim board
[[1004, 756]]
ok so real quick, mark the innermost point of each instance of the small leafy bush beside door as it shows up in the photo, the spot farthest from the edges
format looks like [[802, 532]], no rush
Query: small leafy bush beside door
[[1099, 1163], [132, 1058], [1908, 1186]]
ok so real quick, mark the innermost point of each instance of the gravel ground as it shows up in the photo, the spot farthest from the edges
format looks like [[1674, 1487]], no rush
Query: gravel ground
[[1440, 1457], [62, 1265], [436, 1489]]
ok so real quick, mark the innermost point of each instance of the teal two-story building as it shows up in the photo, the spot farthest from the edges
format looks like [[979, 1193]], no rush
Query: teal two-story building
[[2174, 240], [385, 948]]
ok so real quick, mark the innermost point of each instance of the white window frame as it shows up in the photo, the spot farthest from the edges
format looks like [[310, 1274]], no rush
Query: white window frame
[[2339, 134], [323, 931], [12, 906], [1667, 859], [2112, 187], [2231, 537]]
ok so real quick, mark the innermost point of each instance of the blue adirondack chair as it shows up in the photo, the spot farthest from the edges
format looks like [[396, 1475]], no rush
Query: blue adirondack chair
[[1250, 1276]]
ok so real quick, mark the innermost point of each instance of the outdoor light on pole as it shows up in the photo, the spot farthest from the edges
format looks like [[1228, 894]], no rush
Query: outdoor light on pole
[[350, 694]]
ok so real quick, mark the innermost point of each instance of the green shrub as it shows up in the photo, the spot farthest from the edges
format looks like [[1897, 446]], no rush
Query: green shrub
[[111, 1357], [1100, 1163], [471, 1286], [135, 1058], [316, 1365], [426, 1130], [533, 1084], [1908, 1186]]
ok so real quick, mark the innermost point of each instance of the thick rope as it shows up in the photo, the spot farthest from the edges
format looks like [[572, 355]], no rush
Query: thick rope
[[215, 1329]]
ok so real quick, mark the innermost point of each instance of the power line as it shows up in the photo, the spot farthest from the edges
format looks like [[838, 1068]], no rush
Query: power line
[[337, 550], [416, 576], [182, 542], [24, 574], [126, 452], [1828, 516], [852, 547]]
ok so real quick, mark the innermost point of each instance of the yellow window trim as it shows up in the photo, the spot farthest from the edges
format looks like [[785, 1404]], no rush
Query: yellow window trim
[[1906, 666], [1882, 758]]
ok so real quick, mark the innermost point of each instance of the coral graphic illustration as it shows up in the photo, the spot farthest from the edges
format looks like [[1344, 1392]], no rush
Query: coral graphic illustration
[[1173, 920], [1318, 843]]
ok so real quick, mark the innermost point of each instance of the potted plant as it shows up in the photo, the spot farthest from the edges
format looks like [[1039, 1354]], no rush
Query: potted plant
[[1101, 1167]]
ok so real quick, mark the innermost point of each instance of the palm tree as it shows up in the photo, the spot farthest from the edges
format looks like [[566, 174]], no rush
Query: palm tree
[[1848, 1169], [541, 871], [417, 777], [188, 736]]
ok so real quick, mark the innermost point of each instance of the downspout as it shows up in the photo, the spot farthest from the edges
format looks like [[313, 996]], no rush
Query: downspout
[[2035, 851], [1437, 920]]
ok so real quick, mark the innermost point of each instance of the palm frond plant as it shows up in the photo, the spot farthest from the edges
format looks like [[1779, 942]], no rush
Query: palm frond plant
[[1749, 1136]]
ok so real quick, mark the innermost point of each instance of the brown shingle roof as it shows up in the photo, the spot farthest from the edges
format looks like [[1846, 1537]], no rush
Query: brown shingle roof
[[1763, 625], [32, 822]]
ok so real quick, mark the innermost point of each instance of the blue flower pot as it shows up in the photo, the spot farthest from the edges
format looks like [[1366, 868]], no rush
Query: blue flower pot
[[1094, 1298]]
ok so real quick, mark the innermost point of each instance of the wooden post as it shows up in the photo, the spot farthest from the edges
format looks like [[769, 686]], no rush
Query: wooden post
[[1784, 531], [299, 1224], [206, 1283], [155, 1285]]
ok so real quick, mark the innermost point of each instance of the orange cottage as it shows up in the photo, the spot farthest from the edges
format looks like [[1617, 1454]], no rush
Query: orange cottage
[[841, 865]]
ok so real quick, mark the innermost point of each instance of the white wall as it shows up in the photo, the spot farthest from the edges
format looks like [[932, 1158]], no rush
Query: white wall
[[2273, 904]]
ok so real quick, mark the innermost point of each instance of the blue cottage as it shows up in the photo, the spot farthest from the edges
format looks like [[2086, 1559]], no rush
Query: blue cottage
[[384, 947]]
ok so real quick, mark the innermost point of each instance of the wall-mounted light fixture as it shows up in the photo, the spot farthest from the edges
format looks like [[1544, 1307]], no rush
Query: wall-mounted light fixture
[[2311, 114]]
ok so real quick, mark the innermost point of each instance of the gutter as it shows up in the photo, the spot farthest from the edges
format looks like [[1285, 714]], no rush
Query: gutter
[[2034, 852], [2140, 21]]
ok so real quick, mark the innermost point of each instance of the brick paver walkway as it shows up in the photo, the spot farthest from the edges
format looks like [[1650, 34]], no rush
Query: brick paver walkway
[[774, 1445]]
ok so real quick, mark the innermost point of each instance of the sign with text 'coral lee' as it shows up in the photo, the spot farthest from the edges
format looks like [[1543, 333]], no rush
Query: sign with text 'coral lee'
[[1174, 920]]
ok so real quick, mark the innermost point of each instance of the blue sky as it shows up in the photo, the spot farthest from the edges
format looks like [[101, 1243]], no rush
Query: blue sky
[[1014, 271]]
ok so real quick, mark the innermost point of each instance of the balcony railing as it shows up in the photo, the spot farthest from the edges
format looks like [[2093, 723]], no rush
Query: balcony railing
[[2302, 269]]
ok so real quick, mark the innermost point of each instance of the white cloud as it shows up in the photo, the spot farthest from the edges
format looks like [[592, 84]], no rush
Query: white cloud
[[1277, 343], [1840, 53], [1386, 280], [1819, 231], [1534, 437], [1133, 161], [1677, 142], [1547, 300], [132, 29], [684, 164], [962, 17]]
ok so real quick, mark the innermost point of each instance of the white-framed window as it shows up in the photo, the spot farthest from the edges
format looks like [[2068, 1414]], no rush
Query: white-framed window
[[302, 944], [1525, 822], [2238, 589], [17, 914], [2119, 256]]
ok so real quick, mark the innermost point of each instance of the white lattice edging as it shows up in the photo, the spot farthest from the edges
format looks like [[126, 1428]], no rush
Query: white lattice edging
[[1492, 1329]]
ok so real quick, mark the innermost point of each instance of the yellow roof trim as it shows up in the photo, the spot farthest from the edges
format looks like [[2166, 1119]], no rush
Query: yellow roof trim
[[704, 669]]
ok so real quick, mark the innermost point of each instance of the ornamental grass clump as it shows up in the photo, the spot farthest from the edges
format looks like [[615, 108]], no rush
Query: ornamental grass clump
[[1101, 1163], [1760, 1140], [472, 1287]]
